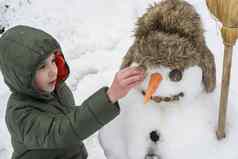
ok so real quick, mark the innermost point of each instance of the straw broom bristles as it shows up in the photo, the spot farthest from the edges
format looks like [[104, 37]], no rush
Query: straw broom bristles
[[226, 11]]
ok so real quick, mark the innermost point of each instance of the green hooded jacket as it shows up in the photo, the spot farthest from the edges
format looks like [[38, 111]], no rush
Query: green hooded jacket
[[46, 126]]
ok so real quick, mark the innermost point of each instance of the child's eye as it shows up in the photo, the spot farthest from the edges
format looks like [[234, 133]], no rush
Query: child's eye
[[41, 67], [53, 60], [175, 75]]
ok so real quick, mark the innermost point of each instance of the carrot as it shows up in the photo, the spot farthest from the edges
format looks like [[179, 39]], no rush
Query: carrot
[[154, 82]]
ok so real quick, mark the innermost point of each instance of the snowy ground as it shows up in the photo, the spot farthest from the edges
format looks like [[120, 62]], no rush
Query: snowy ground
[[94, 36]]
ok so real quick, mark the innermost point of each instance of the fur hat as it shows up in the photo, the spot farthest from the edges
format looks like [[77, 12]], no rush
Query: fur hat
[[170, 33]]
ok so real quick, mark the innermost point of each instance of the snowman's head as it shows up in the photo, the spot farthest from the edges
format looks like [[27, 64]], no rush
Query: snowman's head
[[174, 84], [169, 40]]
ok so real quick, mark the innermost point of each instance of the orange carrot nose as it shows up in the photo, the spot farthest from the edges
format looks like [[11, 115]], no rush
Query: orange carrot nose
[[154, 82]]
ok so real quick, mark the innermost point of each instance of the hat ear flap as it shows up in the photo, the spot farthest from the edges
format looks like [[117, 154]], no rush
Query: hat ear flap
[[208, 70], [128, 58]]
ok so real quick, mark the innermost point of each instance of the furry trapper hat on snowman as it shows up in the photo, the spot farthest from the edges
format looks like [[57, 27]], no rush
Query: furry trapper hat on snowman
[[170, 33]]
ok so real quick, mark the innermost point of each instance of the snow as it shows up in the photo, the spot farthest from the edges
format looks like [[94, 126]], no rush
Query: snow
[[94, 36]]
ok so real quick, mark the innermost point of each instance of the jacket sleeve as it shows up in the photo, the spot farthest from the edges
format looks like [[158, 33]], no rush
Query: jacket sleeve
[[41, 130]]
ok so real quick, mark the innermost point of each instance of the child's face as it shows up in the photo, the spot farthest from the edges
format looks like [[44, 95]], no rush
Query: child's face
[[46, 75]]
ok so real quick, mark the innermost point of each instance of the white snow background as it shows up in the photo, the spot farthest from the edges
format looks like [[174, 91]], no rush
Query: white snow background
[[94, 35]]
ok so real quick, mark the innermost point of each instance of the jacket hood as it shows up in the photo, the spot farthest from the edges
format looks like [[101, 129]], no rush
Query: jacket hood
[[22, 49]]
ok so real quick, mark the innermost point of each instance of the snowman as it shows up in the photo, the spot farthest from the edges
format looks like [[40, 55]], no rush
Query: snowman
[[179, 69]]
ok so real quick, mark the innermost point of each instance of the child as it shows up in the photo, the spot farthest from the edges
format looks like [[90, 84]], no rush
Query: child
[[41, 115]]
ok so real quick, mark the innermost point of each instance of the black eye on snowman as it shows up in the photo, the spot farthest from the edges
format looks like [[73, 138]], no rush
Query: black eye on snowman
[[175, 75]]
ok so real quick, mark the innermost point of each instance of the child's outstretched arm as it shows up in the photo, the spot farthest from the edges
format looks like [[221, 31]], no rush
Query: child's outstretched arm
[[37, 128]]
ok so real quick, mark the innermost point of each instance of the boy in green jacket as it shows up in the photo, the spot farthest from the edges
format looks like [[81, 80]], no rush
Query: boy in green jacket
[[41, 115]]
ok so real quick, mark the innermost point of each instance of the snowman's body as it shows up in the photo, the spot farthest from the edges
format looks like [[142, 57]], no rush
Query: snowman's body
[[128, 136]]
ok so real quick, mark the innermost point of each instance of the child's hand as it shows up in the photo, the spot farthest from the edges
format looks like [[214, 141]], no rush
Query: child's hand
[[124, 80]]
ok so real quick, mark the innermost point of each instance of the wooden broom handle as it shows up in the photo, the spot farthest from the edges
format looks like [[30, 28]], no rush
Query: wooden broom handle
[[229, 36], [227, 61]]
